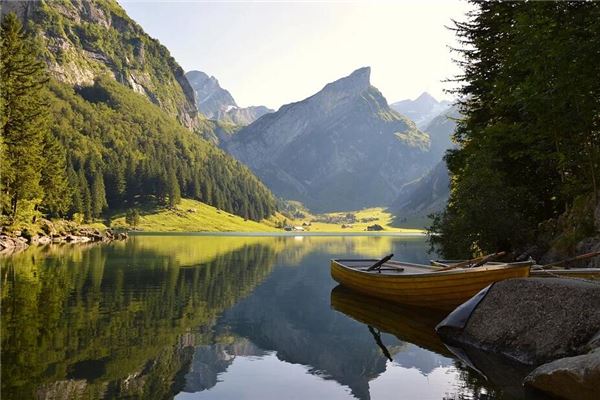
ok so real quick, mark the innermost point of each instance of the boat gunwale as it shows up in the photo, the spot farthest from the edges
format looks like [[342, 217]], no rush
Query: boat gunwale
[[434, 270]]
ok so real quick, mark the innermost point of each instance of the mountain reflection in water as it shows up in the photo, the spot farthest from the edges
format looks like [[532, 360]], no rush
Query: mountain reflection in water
[[215, 317]]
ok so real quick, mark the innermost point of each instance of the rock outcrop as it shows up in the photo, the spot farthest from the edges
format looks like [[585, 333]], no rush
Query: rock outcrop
[[340, 149], [87, 39], [571, 378], [533, 320], [60, 232]]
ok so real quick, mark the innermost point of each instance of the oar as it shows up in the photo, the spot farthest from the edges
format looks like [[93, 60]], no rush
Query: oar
[[488, 258], [377, 337], [461, 264], [380, 262], [577, 258], [477, 261], [439, 264]]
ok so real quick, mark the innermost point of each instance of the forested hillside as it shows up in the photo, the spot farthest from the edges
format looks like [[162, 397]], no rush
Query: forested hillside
[[527, 167], [121, 139], [87, 149]]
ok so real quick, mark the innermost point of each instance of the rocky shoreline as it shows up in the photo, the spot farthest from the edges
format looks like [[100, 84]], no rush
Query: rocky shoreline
[[58, 233], [550, 326]]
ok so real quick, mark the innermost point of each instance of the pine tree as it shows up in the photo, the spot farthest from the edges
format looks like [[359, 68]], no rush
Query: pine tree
[[76, 203], [173, 188], [528, 145], [23, 115], [54, 181], [98, 195], [132, 217], [86, 197]]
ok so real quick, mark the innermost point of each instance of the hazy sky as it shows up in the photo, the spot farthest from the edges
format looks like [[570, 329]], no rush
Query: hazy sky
[[273, 53]]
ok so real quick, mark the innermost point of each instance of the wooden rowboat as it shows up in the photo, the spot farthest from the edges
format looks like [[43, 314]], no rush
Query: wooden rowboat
[[422, 285], [538, 271]]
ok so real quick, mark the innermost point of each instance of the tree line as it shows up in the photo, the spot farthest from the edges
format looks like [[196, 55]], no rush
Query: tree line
[[86, 152], [528, 146]]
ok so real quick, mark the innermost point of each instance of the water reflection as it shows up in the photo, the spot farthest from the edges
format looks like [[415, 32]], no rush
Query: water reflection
[[115, 320], [214, 317]]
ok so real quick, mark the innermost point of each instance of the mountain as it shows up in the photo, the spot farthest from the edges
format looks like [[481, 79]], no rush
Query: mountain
[[246, 115], [440, 130], [430, 193], [424, 196], [421, 110], [83, 40], [217, 103], [120, 110], [340, 149]]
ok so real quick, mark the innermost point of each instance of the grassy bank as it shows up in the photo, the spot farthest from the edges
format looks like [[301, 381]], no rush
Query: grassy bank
[[194, 216]]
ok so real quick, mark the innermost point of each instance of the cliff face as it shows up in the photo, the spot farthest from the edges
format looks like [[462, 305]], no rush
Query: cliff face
[[342, 148], [83, 40]]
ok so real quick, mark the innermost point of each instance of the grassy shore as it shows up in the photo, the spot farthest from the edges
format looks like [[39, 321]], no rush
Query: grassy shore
[[194, 216]]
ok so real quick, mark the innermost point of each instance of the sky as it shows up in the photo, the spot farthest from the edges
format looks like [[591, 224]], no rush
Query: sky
[[275, 52]]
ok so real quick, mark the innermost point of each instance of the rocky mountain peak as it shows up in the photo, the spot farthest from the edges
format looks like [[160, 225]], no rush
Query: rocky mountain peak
[[426, 99], [355, 83]]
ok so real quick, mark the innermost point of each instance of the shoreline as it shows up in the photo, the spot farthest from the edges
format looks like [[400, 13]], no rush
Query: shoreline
[[275, 234], [48, 233]]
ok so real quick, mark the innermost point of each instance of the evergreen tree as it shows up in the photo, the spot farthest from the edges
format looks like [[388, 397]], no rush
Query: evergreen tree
[[98, 194], [54, 181], [76, 200], [86, 197], [173, 188], [528, 145], [132, 217], [23, 115]]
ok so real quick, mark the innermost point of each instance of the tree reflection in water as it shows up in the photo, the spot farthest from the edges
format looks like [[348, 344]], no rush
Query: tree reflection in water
[[160, 315]]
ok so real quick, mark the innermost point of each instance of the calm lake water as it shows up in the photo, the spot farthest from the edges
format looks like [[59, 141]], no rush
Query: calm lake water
[[218, 317]]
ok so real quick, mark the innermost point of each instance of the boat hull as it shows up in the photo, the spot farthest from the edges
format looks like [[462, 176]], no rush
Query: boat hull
[[443, 290]]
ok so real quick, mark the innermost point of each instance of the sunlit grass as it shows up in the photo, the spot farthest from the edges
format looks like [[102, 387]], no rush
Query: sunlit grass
[[195, 216]]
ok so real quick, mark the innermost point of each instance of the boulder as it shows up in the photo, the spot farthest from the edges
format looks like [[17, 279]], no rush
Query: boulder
[[77, 239], [10, 244], [572, 378], [40, 240], [531, 320], [48, 227]]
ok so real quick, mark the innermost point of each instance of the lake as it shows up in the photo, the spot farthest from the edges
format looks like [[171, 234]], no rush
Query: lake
[[219, 317]]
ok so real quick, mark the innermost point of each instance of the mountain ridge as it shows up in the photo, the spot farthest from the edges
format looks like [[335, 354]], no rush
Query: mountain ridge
[[217, 103], [429, 193], [421, 110]]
